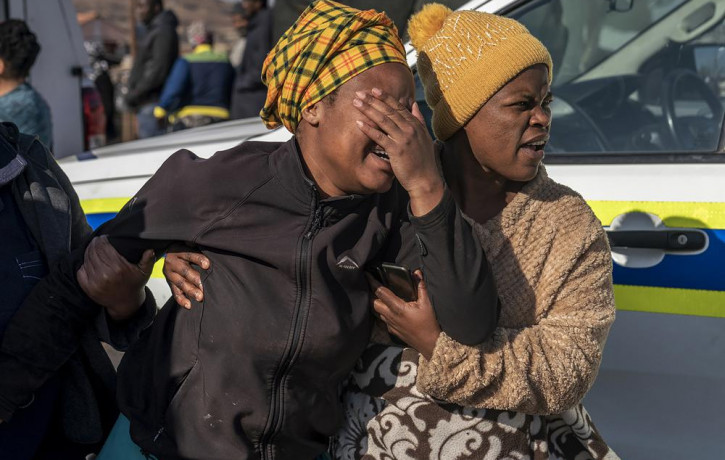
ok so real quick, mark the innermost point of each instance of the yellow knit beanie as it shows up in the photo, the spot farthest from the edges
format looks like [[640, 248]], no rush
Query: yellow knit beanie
[[465, 57]]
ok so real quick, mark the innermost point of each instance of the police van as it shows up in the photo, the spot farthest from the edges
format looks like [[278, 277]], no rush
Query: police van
[[639, 88]]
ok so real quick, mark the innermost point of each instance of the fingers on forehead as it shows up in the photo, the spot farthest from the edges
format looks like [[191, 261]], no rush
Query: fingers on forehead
[[385, 117], [386, 103], [375, 135]]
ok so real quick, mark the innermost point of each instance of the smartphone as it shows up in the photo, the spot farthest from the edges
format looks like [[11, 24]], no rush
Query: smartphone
[[398, 279]]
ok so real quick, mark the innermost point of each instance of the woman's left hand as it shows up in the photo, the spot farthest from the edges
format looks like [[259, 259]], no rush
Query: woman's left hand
[[414, 322]]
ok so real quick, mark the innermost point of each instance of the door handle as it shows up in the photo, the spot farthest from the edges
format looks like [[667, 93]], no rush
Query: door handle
[[666, 240]]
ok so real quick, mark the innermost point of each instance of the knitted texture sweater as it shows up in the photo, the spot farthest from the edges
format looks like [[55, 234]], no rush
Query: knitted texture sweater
[[553, 270]]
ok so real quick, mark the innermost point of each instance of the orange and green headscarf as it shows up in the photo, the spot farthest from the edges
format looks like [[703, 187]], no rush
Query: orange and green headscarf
[[328, 45]]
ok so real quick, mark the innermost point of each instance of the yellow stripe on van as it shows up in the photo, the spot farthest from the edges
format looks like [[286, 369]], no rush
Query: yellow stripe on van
[[693, 302], [103, 205], [683, 214], [679, 301], [629, 298], [688, 214], [158, 269]]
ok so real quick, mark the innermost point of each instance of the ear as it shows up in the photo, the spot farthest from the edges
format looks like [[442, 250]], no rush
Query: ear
[[312, 114], [2, 67]]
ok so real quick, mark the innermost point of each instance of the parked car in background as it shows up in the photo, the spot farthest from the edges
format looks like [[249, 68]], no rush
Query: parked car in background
[[639, 88]]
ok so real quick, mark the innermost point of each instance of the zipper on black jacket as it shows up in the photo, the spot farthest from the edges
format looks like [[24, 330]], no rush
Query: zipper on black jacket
[[302, 305]]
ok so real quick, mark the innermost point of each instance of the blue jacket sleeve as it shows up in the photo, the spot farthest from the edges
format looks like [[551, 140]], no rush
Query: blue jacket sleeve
[[176, 86]]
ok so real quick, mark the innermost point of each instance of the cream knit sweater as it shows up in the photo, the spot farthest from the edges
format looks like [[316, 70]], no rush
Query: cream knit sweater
[[553, 270]]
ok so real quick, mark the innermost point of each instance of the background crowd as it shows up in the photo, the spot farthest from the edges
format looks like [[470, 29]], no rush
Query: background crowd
[[169, 73]]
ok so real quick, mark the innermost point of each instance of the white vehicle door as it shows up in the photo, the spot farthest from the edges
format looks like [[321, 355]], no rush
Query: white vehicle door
[[639, 89]]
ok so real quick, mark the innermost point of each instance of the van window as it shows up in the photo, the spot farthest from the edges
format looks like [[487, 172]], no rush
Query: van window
[[647, 78]]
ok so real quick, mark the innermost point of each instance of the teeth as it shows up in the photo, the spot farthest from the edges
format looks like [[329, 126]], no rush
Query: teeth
[[381, 153]]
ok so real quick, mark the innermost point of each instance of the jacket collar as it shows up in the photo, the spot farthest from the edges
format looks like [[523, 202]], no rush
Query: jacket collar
[[286, 165]]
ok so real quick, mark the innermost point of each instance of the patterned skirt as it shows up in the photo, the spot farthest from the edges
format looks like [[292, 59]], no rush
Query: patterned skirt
[[387, 418]]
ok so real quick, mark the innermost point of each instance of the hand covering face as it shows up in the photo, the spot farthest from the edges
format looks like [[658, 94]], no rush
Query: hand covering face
[[328, 45]]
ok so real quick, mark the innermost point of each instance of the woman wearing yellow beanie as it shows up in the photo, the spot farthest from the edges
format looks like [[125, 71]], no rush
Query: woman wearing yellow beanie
[[518, 394]]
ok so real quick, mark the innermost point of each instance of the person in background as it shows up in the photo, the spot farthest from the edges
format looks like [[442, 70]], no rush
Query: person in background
[[101, 62], [239, 22], [157, 51], [249, 93], [20, 103], [199, 85], [57, 412]]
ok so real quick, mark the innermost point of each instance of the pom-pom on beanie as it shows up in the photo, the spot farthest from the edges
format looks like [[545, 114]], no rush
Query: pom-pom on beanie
[[465, 57]]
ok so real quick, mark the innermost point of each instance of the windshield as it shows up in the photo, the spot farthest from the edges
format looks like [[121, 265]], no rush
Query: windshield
[[582, 33]]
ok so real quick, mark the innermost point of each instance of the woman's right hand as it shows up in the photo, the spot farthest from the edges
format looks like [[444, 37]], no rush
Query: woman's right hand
[[400, 130], [184, 279]]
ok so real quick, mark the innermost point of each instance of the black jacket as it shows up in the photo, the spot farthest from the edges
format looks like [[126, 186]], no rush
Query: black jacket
[[254, 370], [248, 92], [53, 214], [156, 53]]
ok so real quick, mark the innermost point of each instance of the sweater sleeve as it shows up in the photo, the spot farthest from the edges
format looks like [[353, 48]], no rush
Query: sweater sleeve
[[541, 369]]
